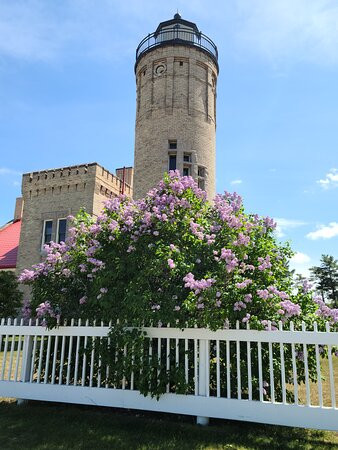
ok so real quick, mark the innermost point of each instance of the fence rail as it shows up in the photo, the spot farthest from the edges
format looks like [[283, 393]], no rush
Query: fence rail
[[240, 374]]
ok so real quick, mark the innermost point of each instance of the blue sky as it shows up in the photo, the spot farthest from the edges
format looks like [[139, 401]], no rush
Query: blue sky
[[67, 96]]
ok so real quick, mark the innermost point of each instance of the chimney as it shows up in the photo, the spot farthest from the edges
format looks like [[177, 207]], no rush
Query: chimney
[[126, 174], [18, 208]]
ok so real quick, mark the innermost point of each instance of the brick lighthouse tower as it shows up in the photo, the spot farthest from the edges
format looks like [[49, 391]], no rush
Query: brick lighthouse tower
[[176, 73]]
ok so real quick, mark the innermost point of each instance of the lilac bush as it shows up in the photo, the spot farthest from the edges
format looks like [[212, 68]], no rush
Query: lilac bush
[[175, 258]]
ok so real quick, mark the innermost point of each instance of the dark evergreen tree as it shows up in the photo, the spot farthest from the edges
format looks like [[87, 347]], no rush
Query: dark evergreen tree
[[10, 295], [325, 278]]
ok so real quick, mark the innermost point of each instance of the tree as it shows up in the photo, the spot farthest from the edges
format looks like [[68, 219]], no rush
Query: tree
[[10, 296], [326, 278], [174, 258]]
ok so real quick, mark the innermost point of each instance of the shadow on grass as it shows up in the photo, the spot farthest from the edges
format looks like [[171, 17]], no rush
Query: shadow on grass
[[38, 425]]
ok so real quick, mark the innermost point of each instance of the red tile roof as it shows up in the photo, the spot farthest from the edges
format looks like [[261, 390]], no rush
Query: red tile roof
[[9, 244]]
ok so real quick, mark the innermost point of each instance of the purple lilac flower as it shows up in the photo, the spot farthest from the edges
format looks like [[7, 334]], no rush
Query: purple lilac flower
[[326, 312], [82, 300], [263, 294], [197, 285], [171, 264], [242, 239], [290, 309], [238, 306], [243, 284], [306, 286], [248, 298], [264, 263]]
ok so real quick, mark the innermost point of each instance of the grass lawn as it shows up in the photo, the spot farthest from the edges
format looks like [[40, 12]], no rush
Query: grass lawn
[[52, 426]]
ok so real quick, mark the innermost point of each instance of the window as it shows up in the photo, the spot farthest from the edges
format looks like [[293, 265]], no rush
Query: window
[[201, 177], [172, 161], [201, 184], [187, 157], [61, 231], [172, 145], [181, 63], [47, 232], [186, 171], [201, 171]]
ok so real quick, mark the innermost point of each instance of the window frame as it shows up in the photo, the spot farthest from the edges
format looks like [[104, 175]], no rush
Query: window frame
[[57, 230], [172, 142], [188, 167], [169, 155], [201, 179], [44, 232]]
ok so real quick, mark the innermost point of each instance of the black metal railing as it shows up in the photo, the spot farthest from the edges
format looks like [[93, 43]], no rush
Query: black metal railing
[[176, 35]]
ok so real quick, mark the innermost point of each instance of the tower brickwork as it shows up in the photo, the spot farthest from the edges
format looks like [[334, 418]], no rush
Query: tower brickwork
[[176, 78]]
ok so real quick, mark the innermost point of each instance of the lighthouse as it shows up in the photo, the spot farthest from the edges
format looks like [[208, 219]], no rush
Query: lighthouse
[[176, 73]]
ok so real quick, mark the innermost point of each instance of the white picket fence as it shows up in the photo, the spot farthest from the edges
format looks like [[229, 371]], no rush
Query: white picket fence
[[220, 366]]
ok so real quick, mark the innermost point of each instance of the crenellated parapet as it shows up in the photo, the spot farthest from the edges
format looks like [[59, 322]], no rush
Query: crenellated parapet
[[72, 179]]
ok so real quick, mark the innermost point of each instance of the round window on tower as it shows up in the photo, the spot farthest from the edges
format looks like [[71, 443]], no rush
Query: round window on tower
[[160, 69]]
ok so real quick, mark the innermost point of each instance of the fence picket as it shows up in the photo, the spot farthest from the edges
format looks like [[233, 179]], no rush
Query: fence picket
[[91, 370], [186, 362], [69, 359], [260, 372], [18, 353], [282, 366], [218, 370], [76, 368], [9, 374], [47, 359], [228, 369], [333, 395], [319, 375], [84, 359], [272, 378], [63, 344], [4, 356], [196, 365], [42, 341], [294, 367], [238, 365], [168, 359], [108, 368], [32, 364], [56, 342], [248, 347], [306, 370]]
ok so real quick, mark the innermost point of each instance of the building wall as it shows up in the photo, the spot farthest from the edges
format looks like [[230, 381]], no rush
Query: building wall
[[176, 100], [55, 194]]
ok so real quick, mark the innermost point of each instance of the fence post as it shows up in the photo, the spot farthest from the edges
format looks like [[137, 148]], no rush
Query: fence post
[[26, 364], [203, 375]]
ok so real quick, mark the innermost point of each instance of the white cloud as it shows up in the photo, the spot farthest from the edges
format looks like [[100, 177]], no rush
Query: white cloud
[[300, 258], [300, 262], [324, 232], [273, 29], [283, 225], [285, 29], [233, 182], [330, 180], [35, 30]]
